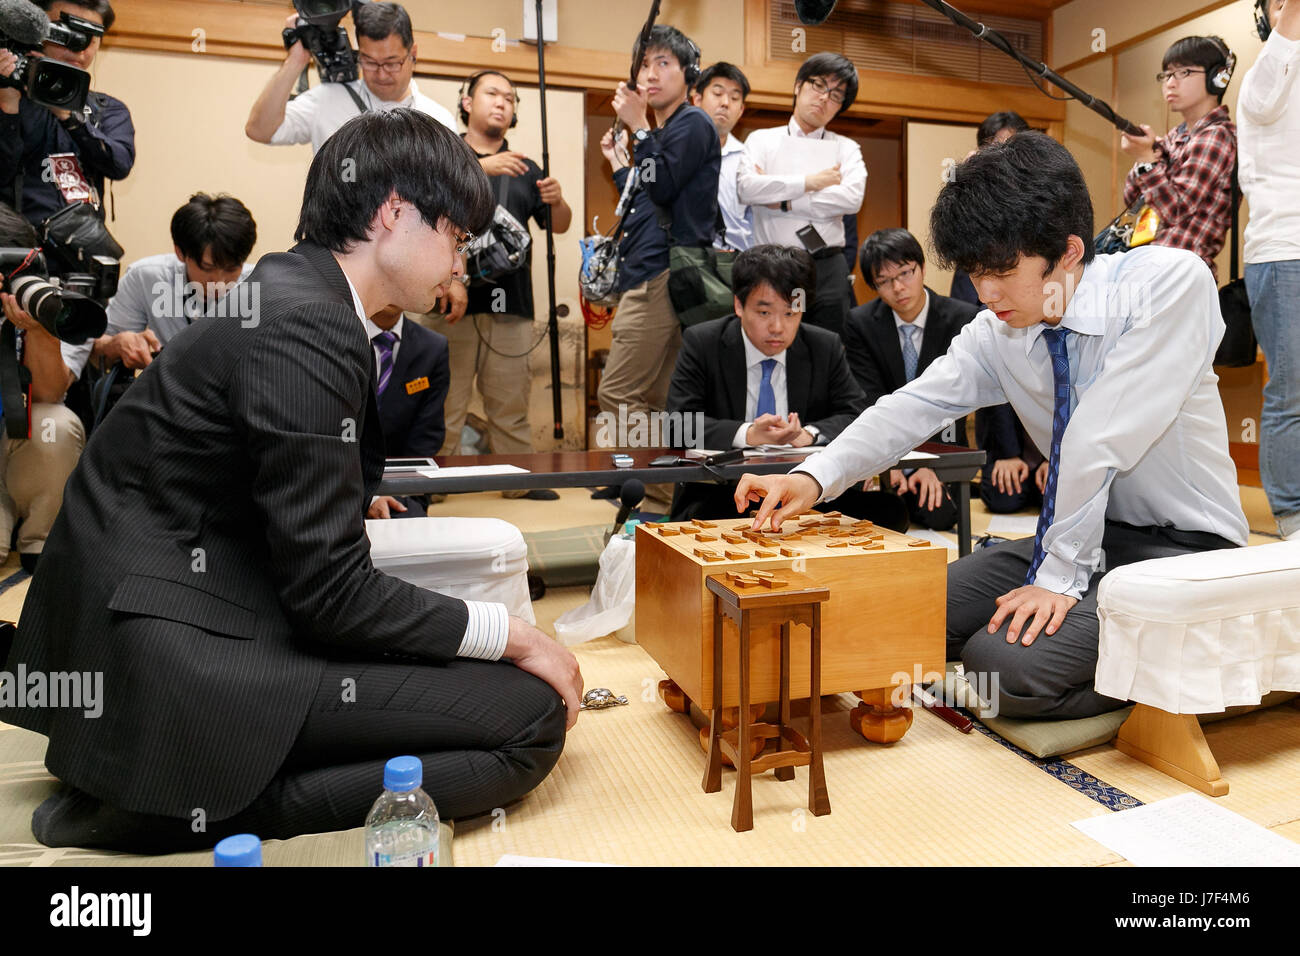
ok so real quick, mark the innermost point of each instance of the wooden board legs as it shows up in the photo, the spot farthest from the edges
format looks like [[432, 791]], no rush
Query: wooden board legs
[[877, 719], [1173, 744]]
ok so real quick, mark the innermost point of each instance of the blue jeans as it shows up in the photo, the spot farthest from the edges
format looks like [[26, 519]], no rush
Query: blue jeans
[[1274, 290]]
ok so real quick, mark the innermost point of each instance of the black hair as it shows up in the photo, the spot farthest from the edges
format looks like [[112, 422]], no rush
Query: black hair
[[15, 231], [996, 123], [1208, 53], [222, 224], [885, 246], [398, 151], [665, 37], [728, 72], [831, 64], [1026, 196], [784, 268], [472, 83], [379, 21], [101, 7]]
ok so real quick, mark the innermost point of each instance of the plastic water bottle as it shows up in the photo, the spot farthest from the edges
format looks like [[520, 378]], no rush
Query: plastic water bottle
[[629, 529], [402, 828], [243, 849]]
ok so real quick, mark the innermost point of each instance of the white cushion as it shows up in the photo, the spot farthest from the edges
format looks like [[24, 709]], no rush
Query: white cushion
[[474, 559], [1198, 633]]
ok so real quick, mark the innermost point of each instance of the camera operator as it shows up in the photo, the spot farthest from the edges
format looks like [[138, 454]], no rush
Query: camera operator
[[160, 295], [386, 53], [33, 470], [101, 138]]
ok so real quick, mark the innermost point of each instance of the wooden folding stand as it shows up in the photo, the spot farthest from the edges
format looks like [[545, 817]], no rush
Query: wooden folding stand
[[762, 599]]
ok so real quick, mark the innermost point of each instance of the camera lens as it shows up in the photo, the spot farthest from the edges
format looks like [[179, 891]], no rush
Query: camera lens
[[66, 315], [58, 85]]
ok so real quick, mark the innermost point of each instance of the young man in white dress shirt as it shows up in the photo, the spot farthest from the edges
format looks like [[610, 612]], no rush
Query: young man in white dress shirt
[[1107, 362], [787, 201], [721, 92], [1268, 130]]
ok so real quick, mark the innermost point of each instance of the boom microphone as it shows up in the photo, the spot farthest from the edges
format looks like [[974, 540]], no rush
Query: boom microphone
[[813, 12], [23, 22]]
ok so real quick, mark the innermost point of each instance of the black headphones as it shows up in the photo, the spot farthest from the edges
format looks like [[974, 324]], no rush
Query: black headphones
[[467, 89], [692, 71], [1261, 19], [1218, 78]]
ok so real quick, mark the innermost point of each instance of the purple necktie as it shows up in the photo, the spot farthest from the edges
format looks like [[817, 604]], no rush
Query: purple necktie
[[384, 346]]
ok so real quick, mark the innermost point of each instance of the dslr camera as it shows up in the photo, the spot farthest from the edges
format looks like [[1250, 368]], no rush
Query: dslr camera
[[74, 309], [318, 29], [24, 29]]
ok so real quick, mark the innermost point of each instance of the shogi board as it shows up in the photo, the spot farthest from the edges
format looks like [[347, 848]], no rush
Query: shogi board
[[885, 616]]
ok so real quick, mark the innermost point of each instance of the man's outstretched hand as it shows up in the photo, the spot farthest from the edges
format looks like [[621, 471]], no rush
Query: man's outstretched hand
[[533, 651], [792, 494], [1036, 605]]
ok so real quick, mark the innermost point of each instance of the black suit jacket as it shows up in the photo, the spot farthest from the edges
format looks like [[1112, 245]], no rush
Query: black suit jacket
[[710, 378], [876, 356], [413, 421], [211, 552]]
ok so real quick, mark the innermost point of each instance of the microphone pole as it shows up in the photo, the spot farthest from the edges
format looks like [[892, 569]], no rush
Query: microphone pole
[[553, 321], [997, 40]]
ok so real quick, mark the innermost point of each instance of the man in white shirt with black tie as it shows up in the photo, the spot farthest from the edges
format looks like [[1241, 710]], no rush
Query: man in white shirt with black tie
[[1107, 360], [802, 207]]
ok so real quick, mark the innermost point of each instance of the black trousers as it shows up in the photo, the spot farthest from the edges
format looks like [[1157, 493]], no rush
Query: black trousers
[[1052, 677], [486, 732], [830, 305]]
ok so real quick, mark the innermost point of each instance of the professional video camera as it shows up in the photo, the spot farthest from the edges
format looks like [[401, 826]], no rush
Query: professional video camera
[[24, 29], [318, 29]]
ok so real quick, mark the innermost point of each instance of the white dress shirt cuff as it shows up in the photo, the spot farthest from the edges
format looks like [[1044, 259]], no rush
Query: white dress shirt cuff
[[826, 473], [486, 632], [1063, 577], [742, 433]]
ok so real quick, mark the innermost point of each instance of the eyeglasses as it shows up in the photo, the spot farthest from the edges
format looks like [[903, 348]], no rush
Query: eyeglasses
[[388, 66], [898, 281], [821, 89], [1163, 78]]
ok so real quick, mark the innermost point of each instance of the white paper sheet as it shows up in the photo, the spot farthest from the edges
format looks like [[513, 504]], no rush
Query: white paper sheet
[[470, 471], [1189, 830], [785, 451], [917, 456], [1013, 525]]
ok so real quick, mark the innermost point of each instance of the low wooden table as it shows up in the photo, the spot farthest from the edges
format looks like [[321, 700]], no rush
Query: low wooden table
[[752, 601], [884, 621]]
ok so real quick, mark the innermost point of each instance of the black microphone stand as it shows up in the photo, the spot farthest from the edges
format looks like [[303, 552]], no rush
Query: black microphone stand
[[553, 320], [1035, 67]]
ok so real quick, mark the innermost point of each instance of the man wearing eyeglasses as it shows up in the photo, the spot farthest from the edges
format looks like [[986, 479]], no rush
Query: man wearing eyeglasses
[[892, 340], [801, 179], [1186, 175], [386, 55]]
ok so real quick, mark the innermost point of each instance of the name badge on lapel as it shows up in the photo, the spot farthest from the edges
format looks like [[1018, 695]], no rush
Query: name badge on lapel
[[417, 385]]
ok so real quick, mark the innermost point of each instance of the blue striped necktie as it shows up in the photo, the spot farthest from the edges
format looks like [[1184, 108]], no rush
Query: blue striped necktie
[[766, 397], [384, 346], [909, 351], [1055, 339]]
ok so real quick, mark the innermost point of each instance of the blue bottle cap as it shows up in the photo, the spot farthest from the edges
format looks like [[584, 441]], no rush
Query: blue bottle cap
[[243, 849], [403, 773]]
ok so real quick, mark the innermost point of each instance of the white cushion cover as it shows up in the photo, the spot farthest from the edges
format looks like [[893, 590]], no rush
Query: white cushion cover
[[1199, 633], [474, 559]]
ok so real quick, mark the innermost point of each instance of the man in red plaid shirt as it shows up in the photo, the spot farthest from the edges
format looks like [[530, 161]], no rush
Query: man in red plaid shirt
[[1187, 175]]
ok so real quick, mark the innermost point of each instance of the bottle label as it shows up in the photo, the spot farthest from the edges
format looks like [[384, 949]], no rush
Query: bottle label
[[415, 858]]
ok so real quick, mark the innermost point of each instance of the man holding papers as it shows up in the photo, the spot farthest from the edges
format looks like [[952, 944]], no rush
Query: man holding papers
[[801, 180]]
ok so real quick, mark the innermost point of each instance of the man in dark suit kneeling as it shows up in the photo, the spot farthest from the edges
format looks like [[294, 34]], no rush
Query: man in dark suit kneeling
[[763, 377], [892, 340], [412, 374], [211, 561]]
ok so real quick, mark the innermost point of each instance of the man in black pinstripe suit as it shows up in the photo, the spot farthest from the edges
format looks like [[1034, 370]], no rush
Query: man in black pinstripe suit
[[211, 559]]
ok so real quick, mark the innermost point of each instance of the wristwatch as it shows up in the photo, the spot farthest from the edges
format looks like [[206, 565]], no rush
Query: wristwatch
[[641, 136]]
